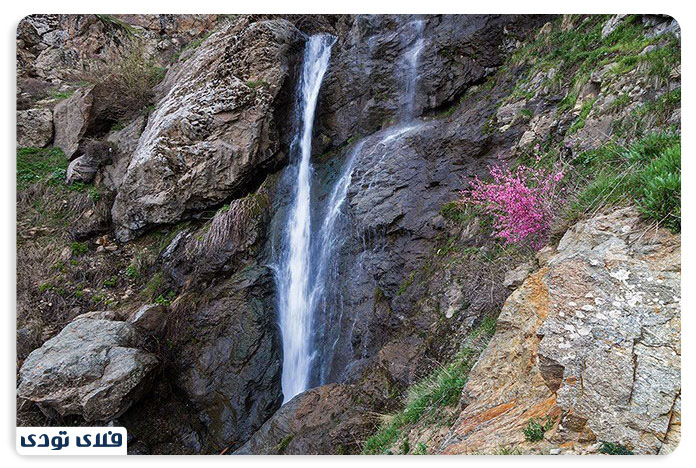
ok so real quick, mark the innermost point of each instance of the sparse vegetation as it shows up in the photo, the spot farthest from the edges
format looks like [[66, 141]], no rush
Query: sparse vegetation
[[536, 428], [648, 173], [611, 448]]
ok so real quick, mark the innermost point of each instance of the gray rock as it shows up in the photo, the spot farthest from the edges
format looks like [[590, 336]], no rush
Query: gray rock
[[611, 24], [228, 354], [592, 339], [124, 141], [150, 318], [92, 368], [214, 132], [34, 127], [84, 168], [324, 420], [71, 119], [514, 278], [614, 328]]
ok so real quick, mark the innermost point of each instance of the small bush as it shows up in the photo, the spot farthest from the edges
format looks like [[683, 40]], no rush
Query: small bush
[[648, 173], [110, 282], [536, 428], [79, 248], [660, 193], [132, 272], [522, 202], [611, 448]]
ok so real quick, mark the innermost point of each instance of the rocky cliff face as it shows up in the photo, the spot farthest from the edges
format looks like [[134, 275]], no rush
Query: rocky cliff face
[[596, 327], [174, 204]]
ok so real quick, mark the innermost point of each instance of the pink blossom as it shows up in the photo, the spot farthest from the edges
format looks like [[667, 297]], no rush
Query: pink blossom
[[521, 202]]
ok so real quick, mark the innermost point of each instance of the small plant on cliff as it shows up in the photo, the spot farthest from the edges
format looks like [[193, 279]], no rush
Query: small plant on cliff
[[536, 428], [521, 201], [610, 448]]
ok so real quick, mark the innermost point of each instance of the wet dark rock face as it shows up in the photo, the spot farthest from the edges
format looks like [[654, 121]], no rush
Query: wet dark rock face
[[363, 90]]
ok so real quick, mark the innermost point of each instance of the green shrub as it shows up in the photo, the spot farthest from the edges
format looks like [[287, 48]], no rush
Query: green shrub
[[648, 172], [536, 428], [79, 248], [660, 193], [132, 272], [110, 282], [611, 448]]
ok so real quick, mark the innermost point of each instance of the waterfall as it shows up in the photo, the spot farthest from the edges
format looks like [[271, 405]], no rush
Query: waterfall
[[410, 65], [294, 271]]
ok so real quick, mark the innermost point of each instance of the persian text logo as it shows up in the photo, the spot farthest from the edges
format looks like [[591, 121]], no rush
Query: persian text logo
[[71, 440]]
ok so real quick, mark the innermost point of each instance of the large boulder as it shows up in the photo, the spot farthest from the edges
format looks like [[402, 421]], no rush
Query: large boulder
[[214, 132], [92, 368], [34, 127], [93, 155], [591, 340], [71, 119]]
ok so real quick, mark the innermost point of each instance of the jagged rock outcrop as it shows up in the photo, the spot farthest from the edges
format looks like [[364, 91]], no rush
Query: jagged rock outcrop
[[213, 134], [57, 47], [592, 340], [223, 326], [93, 368]]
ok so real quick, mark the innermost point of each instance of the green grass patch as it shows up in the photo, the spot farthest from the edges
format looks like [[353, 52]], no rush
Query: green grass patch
[[648, 173], [36, 164], [427, 399]]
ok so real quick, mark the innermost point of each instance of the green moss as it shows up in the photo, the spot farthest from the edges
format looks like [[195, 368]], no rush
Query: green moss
[[283, 444]]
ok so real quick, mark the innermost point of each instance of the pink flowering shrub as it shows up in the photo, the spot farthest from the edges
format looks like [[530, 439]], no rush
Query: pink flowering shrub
[[521, 201]]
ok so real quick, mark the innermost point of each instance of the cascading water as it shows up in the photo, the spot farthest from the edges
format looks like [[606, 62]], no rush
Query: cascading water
[[308, 263], [410, 59], [294, 271]]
